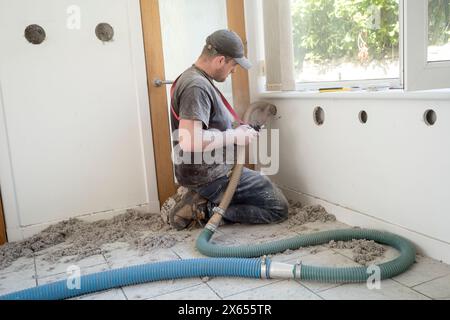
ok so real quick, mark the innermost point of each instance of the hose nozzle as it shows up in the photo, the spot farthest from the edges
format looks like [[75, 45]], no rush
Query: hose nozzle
[[215, 220]]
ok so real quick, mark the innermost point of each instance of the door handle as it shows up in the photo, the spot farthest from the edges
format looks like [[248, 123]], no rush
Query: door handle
[[159, 82]]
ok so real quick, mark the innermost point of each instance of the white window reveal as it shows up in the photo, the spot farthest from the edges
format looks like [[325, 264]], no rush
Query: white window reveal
[[278, 43]]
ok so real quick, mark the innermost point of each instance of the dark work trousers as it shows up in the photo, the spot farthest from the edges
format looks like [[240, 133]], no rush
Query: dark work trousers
[[256, 200]]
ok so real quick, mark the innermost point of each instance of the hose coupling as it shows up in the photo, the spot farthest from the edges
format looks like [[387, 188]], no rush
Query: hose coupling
[[280, 270]]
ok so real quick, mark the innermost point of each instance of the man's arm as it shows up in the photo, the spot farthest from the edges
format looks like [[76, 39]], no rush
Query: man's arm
[[194, 139]]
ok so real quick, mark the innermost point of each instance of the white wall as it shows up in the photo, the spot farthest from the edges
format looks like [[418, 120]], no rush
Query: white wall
[[75, 135], [392, 173]]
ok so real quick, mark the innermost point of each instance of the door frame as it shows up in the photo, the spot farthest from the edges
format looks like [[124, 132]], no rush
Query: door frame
[[153, 47]]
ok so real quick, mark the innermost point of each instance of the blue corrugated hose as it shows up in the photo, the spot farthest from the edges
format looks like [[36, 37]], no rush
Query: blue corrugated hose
[[231, 267], [167, 270]]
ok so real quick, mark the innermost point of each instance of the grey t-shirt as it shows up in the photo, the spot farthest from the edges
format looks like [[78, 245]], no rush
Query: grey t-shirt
[[195, 98]]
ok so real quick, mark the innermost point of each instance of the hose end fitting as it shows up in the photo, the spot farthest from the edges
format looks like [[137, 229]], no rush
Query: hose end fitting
[[211, 227]]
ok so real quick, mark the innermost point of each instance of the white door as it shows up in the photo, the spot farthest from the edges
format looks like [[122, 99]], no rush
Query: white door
[[75, 134]]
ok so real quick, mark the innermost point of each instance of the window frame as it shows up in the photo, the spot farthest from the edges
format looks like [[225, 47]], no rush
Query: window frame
[[366, 84], [421, 74]]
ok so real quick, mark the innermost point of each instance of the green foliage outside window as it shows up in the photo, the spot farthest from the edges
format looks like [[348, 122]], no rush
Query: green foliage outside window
[[333, 31], [439, 23]]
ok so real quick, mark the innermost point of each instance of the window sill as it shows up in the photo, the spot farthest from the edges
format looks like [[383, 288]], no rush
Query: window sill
[[441, 94]]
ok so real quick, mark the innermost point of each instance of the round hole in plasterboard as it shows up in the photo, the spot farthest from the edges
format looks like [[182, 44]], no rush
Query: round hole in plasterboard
[[34, 33], [363, 116], [104, 32], [319, 116], [430, 117]]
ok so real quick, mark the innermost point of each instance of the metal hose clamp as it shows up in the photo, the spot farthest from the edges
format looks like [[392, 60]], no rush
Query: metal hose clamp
[[297, 270], [218, 210], [211, 227], [263, 267]]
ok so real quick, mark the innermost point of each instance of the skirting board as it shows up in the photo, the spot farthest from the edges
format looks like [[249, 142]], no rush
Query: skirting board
[[425, 245], [20, 233]]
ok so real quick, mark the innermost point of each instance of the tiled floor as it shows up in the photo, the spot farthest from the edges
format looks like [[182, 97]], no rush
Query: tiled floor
[[427, 278]]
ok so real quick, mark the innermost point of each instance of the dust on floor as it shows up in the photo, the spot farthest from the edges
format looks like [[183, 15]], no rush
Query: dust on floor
[[144, 232], [364, 251], [299, 215]]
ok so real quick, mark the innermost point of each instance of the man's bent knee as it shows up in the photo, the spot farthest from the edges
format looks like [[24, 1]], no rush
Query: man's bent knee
[[280, 209], [281, 214]]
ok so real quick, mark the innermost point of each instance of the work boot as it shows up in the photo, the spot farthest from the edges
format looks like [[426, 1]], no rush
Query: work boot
[[171, 202], [188, 211]]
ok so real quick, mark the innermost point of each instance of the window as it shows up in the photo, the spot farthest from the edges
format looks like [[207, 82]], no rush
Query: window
[[337, 40], [364, 43]]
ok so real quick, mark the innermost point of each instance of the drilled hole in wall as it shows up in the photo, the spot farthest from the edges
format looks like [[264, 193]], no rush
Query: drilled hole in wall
[[363, 116], [104, 32], [319, 116], [430, 117], [35, 34]]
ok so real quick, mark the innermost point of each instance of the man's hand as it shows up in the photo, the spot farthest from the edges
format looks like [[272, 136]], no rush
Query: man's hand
[[244, 134]]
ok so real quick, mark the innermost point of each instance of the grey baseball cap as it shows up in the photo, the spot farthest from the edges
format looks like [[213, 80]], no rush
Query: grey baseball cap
[[229, 44]]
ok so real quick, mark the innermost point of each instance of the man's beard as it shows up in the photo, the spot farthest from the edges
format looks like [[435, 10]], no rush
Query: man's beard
[[220, 77]]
